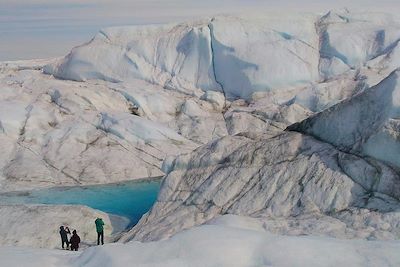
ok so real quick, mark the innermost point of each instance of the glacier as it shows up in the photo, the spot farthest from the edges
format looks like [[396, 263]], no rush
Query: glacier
[[217, 244], [266, 128]]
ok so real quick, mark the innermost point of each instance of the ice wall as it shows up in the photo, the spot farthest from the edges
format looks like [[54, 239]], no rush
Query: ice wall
[[236, 55]]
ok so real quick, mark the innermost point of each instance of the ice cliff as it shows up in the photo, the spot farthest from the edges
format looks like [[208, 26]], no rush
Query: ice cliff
[[236, 55]]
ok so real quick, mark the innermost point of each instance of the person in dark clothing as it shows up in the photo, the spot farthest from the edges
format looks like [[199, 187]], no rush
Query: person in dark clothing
[[100, 230], [64, 237], [75, 240]]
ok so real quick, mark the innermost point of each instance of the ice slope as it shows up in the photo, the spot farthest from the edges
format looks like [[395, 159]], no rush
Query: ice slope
[[334, 177], [238, 244], [367, 124], [219, 245], [59, 132], [55, 132], [292, 183], [237, 55]]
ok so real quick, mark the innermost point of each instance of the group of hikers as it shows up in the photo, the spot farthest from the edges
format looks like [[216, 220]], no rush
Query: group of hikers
[[72, 242]]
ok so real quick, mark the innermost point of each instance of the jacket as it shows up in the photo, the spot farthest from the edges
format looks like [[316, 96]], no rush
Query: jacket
[[99, 225], [75, 240]]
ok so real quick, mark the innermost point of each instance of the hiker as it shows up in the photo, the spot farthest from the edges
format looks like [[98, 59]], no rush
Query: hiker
[[75, 240], [68, 233], [64, 237], [100, 230]]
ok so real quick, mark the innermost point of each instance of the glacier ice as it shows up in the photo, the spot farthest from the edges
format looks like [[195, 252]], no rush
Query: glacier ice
[[217, 244], [367, 123], [282, 124], [235, 55]]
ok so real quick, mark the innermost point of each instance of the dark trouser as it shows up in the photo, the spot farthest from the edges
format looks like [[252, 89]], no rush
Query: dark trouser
[[100, 235], [74, 248], [64, 242]]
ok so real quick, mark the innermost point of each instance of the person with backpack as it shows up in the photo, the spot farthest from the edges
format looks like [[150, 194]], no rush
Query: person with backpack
[[68, 235], [64, 237], [100, 230], [68, 232], [75, 240]]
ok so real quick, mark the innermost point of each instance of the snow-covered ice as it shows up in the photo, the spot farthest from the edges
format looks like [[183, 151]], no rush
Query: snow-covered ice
[[218, 245]]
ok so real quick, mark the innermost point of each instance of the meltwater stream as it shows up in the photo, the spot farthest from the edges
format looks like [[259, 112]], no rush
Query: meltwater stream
[[128, 199]]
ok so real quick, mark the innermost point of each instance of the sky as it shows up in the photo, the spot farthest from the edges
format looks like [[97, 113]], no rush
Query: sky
[[50, 28]]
